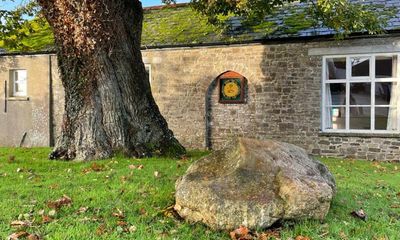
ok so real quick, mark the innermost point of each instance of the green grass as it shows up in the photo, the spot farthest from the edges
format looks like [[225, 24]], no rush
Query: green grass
[[31, 181]]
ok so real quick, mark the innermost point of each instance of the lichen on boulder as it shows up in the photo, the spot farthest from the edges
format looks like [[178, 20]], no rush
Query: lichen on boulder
[[254, 183]]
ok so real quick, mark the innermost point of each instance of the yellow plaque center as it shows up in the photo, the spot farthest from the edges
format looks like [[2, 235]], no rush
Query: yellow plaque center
[[231, 89]]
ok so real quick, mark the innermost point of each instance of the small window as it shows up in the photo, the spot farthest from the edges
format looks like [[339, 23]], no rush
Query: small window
[[360, 93], [18, 83]]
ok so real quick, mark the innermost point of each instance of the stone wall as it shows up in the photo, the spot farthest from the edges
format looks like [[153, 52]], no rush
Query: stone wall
[[24, 121], [283, 100]]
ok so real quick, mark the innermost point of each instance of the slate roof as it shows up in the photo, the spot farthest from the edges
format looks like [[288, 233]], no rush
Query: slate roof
[[180, 25]]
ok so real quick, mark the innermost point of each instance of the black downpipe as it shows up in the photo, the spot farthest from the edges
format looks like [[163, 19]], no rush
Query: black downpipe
[[51, 105], [5, 96], [208, 113]]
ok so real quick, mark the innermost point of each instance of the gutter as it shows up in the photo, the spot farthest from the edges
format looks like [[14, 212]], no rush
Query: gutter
[[264, 41]]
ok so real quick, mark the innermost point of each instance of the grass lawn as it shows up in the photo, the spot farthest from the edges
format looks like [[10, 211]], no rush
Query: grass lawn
[[117, 199]]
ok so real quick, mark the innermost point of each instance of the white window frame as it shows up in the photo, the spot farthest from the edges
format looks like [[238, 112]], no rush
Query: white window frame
[[349, 79], [15, 81]]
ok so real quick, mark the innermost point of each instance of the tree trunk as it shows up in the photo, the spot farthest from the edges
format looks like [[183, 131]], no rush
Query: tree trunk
[[108, 102]]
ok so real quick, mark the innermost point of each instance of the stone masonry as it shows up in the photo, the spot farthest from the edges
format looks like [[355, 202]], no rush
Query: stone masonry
[[283, 99]]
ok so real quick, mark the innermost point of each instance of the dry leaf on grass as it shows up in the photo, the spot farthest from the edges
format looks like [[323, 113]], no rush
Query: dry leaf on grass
[[302, 238], [57, 204], [119, 214], [17, 235], [270, 234], [33, 237], [241, 233], [132, 166], [46, 219], [82, 210], [19, 223]]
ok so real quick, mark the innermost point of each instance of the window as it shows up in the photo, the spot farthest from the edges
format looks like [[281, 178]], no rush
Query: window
[[18, 83], [360, 93]]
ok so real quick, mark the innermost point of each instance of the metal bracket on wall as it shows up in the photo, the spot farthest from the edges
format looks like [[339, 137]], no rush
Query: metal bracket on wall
[[5, 96]]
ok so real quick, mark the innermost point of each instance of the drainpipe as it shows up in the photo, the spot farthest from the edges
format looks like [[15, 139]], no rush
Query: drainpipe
[[51, 112], [5, 96], [208, 112]]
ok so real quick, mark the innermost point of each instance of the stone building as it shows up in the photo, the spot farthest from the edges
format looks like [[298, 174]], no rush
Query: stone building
[[285, 80]]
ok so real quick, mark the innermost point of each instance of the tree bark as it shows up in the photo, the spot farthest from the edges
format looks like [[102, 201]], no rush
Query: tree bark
[[108, 102]]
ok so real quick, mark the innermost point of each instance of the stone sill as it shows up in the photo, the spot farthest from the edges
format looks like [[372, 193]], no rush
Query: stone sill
[[18, 99], [361, 135]]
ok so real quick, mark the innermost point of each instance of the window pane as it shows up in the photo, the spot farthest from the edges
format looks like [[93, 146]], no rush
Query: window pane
[[385, 66], [20, 88], [384, 92], [360, 118], [360, 94], [336, 68], [359, 67], [336, 94], [336, 118], [386, 118]]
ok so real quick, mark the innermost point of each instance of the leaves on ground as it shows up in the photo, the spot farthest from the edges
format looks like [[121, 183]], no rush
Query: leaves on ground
[[57, 204]]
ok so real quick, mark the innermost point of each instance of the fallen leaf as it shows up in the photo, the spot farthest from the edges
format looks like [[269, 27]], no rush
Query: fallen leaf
[[132, 229], [359, 214], [82, 210], [132, 167], [142, 211], [46, 219], [302, 238], [101, 229], [65, 200], [122, 223], [241, 233], [19, 223], [140, 167], [41, 212], [119, 214], [269, 234], [156, 174], [33, 237], [395, 206], [94, 167], [17, 236]]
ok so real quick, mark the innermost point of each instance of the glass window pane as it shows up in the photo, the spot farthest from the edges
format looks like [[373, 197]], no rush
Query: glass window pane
[[360, 118], [360, 67], [335, 94], [360, 94], [336, 68], [385, 66], [386, 118], [384, 92], [336, 118]]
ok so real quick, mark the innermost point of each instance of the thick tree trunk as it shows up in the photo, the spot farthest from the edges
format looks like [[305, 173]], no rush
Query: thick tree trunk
[[108, 102]]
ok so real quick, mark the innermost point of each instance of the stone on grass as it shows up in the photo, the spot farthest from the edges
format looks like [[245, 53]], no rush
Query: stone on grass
[[254, 183]]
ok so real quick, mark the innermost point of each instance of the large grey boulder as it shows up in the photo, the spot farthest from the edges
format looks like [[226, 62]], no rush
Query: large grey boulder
[[254, 183]]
